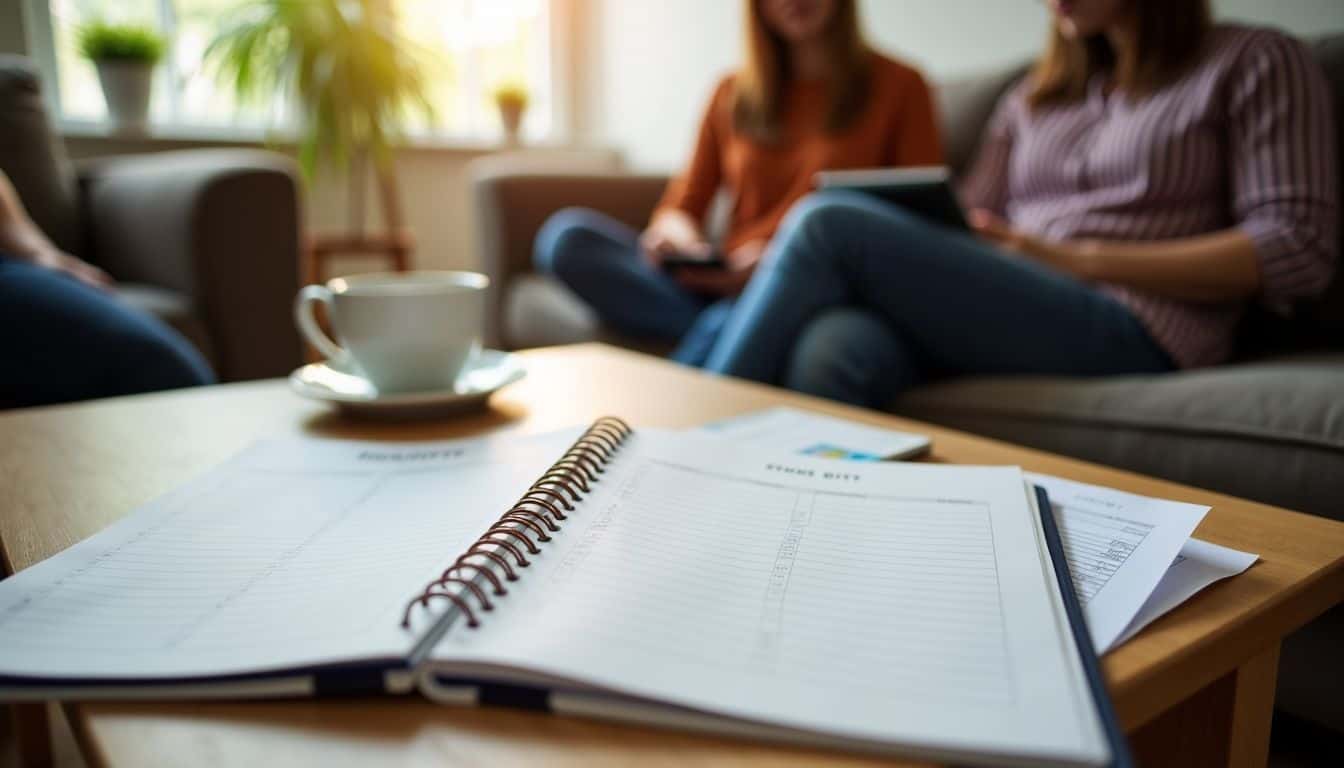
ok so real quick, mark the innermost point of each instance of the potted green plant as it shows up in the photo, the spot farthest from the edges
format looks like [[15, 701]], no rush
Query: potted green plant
[[351, 74], [511, 100], [125, 56], [352, 77]]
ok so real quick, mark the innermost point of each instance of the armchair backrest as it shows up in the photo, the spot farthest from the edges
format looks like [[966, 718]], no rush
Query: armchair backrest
[[32, 156], [512, 204]]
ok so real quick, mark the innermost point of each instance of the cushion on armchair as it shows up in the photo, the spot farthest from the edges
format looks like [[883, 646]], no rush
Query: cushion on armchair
[[540, 311], [220, 229], [512, 203], [173, 308]]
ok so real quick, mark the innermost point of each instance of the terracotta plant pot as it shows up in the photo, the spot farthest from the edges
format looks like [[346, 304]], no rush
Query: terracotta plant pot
[[511, 115], [126, 88]]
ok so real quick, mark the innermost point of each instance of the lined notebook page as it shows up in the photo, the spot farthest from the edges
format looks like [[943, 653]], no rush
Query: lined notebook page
[[294, 553], [879, 602]]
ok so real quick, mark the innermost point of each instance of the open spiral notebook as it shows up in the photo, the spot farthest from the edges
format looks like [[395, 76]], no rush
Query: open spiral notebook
[[655, 577]]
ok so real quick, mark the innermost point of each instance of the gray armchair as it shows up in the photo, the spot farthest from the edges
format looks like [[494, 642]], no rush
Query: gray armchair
[[207, 240]]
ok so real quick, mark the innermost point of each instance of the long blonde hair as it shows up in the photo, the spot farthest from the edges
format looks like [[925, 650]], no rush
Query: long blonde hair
[[760, 83]]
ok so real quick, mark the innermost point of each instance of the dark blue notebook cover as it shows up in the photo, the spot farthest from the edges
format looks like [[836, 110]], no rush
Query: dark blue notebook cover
[[1120, 756]]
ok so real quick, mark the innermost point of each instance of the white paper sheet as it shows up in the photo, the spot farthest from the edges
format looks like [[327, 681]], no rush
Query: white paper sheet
[[815, 434], [1199, 565], [1118, 545]]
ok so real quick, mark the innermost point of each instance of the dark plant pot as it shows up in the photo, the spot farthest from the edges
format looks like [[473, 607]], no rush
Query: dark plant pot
[[126, 88]]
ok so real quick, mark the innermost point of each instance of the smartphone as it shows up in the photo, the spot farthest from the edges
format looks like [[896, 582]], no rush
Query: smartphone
[[714, 260]]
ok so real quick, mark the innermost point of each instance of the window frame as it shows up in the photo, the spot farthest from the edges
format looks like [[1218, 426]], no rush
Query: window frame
[[559, 55]]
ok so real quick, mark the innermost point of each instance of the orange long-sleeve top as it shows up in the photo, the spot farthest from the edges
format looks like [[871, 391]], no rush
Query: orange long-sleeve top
[[896, 128]]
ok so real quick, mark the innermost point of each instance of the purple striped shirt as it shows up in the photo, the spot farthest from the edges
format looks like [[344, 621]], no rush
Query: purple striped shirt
[[1244, 139]]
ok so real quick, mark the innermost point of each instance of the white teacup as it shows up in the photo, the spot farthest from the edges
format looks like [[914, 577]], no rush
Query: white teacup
[[403, 331]]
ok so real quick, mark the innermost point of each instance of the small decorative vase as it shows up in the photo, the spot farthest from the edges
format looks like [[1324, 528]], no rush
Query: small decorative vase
[[511, 115], [126, 88]]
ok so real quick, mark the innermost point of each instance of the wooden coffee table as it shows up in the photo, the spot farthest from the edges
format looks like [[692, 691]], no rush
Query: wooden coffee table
[[1195, 688]]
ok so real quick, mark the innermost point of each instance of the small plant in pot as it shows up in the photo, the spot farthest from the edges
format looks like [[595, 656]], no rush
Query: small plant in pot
[[125, 57], [511, 99]]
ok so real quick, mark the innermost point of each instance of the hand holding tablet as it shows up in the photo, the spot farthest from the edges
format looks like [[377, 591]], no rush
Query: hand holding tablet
[[925, 190]]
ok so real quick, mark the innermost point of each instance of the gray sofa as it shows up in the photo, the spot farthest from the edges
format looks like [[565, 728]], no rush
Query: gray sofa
[[1269, 426], [207, 240]]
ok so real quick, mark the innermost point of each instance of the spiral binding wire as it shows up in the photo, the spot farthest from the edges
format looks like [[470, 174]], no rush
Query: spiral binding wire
[[502, 550]]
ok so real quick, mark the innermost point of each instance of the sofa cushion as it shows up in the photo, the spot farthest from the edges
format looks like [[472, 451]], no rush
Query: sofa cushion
[[33, 157], [1272, 432], [173, 308], [539, 311]]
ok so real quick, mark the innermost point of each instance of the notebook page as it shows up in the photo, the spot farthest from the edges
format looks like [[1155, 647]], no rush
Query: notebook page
[[294, 553], [1119, 545], [890, 603]]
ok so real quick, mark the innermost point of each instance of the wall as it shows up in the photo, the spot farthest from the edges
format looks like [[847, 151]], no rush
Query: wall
[[653, 64]]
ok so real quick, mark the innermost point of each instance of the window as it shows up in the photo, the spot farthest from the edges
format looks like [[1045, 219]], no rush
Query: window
[[475, 46]]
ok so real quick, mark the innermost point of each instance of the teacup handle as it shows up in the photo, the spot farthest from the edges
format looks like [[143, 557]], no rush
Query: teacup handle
[[307, 322]]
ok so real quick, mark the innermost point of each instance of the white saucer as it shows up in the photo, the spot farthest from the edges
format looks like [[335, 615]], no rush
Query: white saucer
[[333, 383]]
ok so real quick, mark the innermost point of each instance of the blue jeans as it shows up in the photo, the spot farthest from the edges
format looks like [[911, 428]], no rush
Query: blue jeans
[[598, 258], [862, 299], [65, 341]]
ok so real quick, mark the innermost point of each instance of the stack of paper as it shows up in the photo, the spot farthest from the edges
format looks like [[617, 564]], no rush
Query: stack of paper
[[1132, 557]]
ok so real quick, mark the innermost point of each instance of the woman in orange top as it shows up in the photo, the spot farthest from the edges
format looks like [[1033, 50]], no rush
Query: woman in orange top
[[811, 96]]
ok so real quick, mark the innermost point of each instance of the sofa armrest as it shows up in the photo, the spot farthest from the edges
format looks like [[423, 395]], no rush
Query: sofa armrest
[[219, 226], [512, 203]]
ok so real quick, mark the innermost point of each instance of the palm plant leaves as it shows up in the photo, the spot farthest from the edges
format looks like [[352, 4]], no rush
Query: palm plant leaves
[[342, 63]]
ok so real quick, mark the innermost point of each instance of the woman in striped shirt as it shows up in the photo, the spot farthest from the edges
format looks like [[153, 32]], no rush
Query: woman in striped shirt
[[1153, 174]]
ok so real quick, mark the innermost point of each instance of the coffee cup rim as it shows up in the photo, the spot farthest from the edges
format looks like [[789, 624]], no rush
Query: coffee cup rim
[[436, 280]]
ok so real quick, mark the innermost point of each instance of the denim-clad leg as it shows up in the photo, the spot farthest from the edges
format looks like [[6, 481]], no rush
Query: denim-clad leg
[[695, 346], [65, 341], [598, 258], [958, 303], [853, 355]]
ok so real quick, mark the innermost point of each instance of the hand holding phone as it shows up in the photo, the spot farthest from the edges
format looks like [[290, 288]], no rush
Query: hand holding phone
[[671, 234], [713, 260]]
